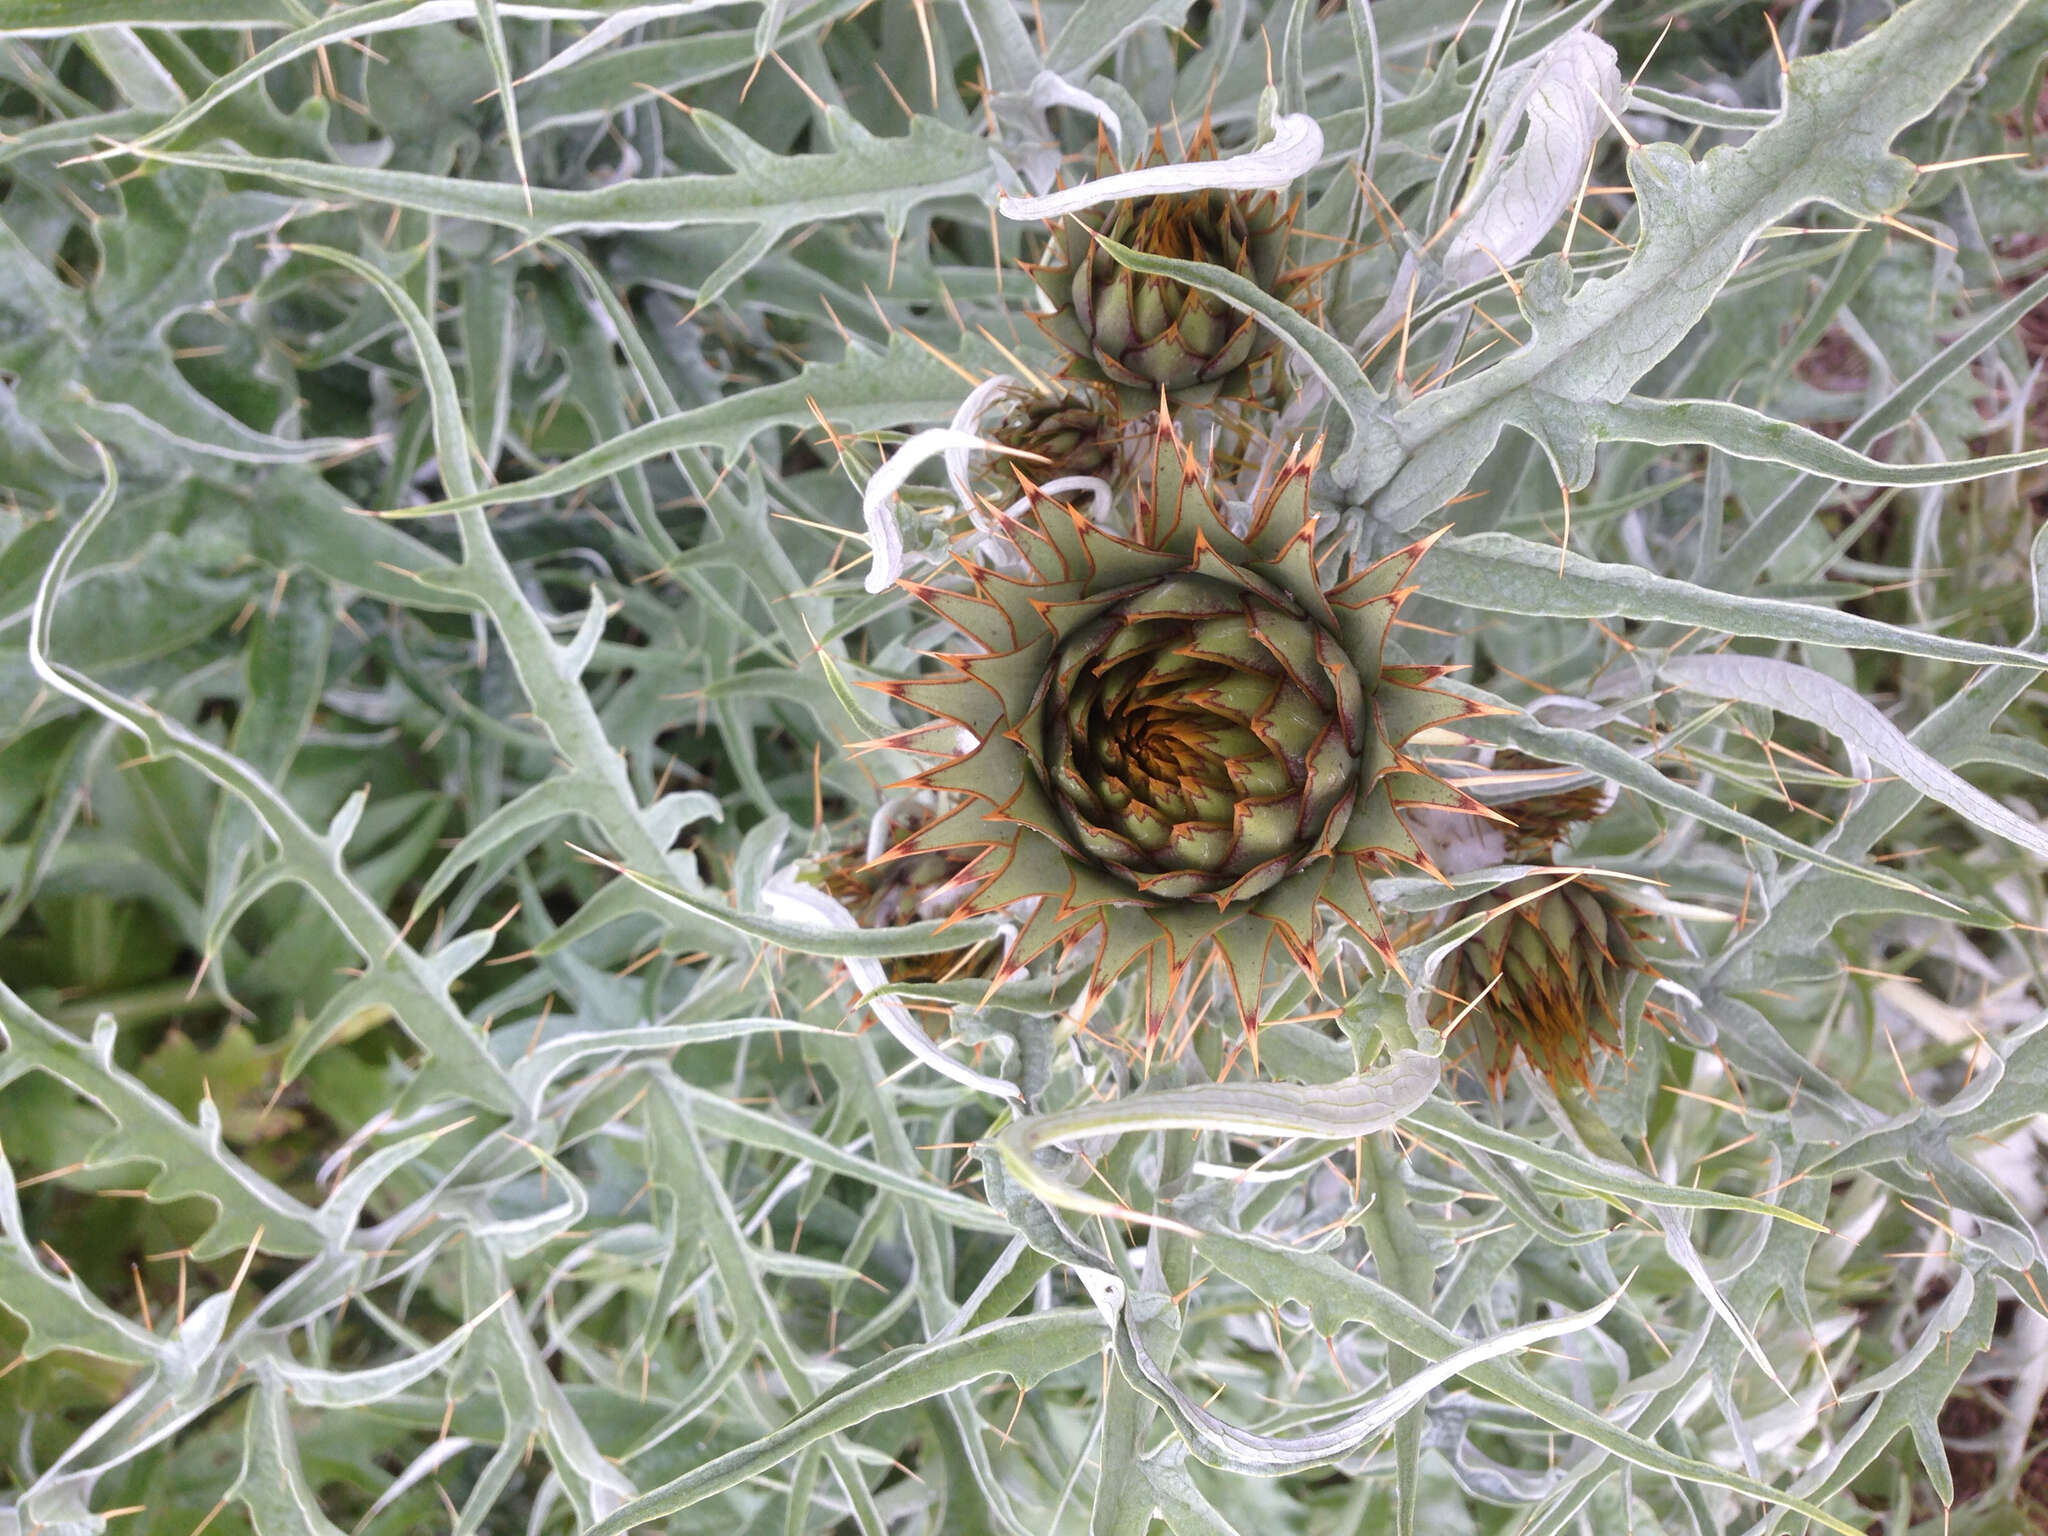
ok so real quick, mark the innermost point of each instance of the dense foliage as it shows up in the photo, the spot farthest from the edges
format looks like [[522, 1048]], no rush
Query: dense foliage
[[470, 1056]]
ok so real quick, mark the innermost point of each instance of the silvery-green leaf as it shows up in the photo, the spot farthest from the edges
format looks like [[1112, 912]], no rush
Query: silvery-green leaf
[[1820, 700]]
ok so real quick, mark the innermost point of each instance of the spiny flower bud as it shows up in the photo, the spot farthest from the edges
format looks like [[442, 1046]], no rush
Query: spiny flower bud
[[881, 892], [1144, 334], [1069, 433], [1180, 737], [1545, 976], [1536, 823]]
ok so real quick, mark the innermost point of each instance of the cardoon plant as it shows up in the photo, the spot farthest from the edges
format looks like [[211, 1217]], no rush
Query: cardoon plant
[[946, 765]]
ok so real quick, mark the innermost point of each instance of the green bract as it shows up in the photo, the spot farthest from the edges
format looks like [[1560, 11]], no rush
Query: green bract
[[1181, 735]]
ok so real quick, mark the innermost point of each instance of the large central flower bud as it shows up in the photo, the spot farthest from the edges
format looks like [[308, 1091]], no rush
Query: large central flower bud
[[1203, 739], [1179, 738]]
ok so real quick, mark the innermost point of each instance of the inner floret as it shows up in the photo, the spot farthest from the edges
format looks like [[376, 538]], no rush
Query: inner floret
[[1203, 739]]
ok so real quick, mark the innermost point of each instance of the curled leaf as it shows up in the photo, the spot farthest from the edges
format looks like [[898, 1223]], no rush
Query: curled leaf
[[1052, 90], [1517, 192], [1294, 149], [878, 499], [794, 902], [1517, 197]]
